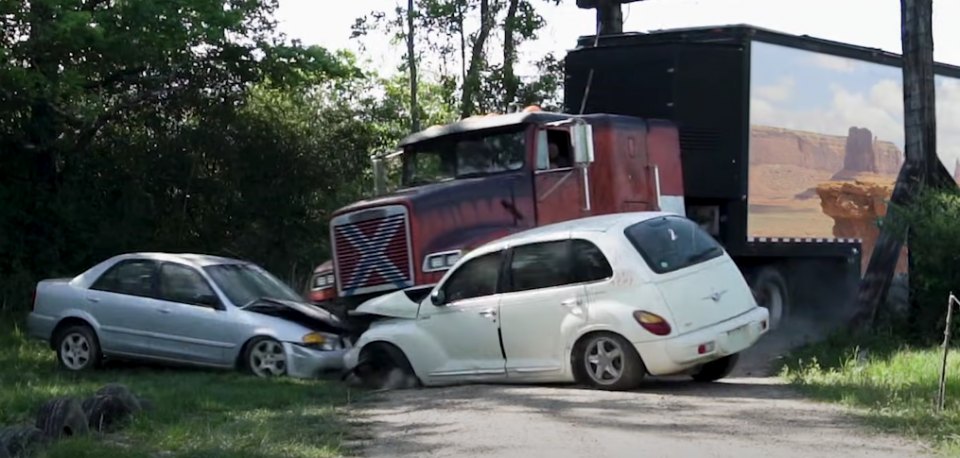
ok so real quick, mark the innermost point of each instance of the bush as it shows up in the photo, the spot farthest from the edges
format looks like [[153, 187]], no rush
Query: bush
[[933, 228]]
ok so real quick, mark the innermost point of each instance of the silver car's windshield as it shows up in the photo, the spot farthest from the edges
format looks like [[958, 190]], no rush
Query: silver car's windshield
[[245, 283]]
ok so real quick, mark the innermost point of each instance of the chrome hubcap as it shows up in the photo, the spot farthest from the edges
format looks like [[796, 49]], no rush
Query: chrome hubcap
[[604, 361], [75, 351], [268, 359]]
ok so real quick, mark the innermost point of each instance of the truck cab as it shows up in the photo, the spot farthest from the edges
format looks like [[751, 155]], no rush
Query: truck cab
[[466, 183]]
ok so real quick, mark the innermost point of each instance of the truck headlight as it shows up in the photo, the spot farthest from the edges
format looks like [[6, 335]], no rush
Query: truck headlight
[[436, 262]]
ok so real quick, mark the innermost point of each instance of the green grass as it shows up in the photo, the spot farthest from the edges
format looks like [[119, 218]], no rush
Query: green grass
[[894, 388], [196, 413]]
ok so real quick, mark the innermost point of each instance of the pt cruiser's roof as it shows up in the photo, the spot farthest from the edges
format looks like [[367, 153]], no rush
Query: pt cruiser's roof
[[601, 223]]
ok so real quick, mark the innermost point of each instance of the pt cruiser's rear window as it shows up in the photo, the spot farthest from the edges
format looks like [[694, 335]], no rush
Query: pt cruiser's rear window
[[671, 243]]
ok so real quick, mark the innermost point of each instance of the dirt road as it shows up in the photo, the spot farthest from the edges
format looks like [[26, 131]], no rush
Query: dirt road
[[751, 415]]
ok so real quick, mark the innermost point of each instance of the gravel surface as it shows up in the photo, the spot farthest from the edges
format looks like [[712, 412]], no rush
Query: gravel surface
[[750, 415]]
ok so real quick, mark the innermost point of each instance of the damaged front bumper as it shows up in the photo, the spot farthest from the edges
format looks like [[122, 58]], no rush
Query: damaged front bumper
[[305, 362]]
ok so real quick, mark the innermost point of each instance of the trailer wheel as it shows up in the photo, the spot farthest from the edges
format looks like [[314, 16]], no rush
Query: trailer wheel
[[770, 291]]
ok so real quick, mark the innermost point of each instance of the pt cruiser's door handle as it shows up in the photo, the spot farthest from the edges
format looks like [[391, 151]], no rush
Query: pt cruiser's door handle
[[489, 313], [571, 302]]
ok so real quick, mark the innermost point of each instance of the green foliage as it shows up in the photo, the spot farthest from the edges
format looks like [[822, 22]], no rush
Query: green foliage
[[892, 387], [933, 223], [196, 413], [449, 33], [173, 125]]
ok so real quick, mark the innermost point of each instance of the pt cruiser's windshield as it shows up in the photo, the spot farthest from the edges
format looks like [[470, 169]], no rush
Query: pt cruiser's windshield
[[463, 156]]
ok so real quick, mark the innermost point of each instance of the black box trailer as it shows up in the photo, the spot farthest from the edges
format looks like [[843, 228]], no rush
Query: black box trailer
[[772, 128]]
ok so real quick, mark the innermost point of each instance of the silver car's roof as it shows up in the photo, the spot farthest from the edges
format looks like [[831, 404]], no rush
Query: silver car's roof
[[197, 260]]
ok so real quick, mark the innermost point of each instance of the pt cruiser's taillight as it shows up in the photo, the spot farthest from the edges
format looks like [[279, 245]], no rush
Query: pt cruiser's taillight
[[652, 322]]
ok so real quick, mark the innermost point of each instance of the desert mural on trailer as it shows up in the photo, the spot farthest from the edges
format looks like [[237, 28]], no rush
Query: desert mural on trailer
[[826, 143]]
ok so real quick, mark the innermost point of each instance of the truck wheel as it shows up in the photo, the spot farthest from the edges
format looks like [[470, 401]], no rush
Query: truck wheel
[[717, 369], [770, 290], [62, 417]]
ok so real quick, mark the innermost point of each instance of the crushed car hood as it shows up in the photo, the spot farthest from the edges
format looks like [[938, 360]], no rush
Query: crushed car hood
[[399, 304], [307, 315]]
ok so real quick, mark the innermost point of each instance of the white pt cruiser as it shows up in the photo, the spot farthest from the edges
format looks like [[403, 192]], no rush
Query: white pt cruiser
[[603, 301]]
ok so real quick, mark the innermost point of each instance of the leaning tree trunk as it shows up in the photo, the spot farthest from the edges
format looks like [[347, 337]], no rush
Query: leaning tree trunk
[[921, 165], [471, 85], [510, 82], [412, 63]]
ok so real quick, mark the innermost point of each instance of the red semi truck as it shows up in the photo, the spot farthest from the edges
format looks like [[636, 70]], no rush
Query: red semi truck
[[718, 124]]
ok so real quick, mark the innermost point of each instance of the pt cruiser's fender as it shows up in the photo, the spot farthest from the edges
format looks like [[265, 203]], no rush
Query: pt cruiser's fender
[[424, 352]]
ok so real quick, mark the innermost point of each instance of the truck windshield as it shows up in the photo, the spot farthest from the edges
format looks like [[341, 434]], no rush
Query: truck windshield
[[463, 156]]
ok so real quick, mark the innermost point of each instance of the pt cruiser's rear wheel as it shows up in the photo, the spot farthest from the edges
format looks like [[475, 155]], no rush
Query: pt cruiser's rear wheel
[[609, 362]]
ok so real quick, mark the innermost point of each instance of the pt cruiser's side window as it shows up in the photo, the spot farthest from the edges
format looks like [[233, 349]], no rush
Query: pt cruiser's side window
[[672, 243], [540, 265], [475, 278], [589, 263]]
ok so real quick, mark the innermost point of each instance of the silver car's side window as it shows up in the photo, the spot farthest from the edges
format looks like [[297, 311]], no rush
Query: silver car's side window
[[184, 285], [134, 277]]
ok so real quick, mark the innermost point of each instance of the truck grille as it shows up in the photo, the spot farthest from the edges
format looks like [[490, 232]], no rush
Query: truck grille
[[372, 250]]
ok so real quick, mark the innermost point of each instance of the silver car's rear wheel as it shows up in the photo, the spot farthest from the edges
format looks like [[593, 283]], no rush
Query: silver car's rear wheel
[[77, 348], [266, 358]]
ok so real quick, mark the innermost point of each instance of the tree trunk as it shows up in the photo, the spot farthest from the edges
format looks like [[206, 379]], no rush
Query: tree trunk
[[921, 166], [461, 17], [471, 84], [412, 63], [510, 82]]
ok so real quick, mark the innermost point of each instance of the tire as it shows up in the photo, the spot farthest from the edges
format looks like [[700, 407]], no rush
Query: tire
[[386, 367], [130, 401], [62, 417], [17, 441], [619, 365], [106, 412], [770, 291], [78, 349], [265, 357], [716, 369]]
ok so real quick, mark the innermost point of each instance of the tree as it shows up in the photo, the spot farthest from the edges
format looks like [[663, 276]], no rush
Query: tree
[[483, 83], [922, 166]]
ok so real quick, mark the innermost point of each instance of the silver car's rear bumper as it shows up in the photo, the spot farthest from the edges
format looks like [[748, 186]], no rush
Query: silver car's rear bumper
[[303, 362], [40, 326]]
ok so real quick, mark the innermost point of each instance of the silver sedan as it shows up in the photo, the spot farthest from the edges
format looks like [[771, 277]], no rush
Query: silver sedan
[[180, 308]]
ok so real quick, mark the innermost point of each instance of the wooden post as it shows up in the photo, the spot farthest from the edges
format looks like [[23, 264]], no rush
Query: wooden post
[[921, 165], [942, 393]]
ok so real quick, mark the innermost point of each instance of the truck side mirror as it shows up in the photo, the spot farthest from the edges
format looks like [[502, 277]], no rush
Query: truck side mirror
[[582, 143]]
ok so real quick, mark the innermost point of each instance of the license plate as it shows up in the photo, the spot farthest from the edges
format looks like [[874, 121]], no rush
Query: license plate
[[739, 336]]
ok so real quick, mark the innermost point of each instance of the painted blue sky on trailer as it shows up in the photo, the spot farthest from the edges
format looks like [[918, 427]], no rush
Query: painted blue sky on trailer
[[805, 90]]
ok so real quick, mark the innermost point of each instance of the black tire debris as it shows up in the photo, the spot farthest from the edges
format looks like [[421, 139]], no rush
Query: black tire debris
[[20, 441], [123, 393], [62, 417], [105, 413]]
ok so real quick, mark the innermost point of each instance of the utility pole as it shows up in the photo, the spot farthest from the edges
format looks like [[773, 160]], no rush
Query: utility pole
[[922, 166], [609, 14]]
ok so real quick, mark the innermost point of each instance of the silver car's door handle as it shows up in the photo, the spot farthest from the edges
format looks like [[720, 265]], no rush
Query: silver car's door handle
[[93, 299], [164, 310]]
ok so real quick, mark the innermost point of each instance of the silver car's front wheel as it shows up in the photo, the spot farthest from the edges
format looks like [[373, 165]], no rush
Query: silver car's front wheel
[[266, 358], [77, 348]]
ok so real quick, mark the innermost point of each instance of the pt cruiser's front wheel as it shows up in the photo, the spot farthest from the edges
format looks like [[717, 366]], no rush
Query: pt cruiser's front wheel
[[608, 362]]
